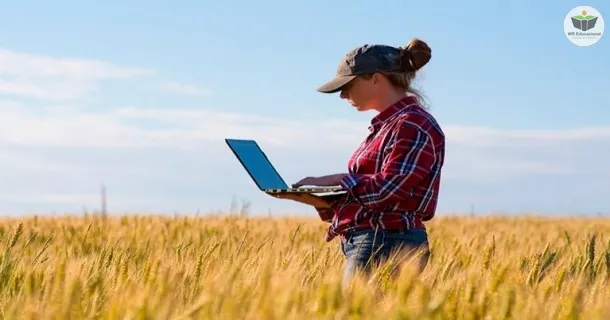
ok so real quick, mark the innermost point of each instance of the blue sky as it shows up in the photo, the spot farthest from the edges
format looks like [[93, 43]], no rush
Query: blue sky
[[138, 96]]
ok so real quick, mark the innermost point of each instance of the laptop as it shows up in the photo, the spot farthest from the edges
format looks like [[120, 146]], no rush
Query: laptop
[[260, 169]]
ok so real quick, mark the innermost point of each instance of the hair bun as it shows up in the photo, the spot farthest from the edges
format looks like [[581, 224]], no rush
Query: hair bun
[[415, 55]]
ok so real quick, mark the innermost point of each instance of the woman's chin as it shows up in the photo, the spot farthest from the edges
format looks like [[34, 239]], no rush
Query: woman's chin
[[360, 108]]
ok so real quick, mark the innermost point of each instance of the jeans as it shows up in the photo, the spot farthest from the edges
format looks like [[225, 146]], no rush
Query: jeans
[[366, 249]]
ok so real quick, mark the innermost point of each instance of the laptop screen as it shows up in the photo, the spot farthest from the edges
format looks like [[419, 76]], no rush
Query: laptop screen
[[256, 164]]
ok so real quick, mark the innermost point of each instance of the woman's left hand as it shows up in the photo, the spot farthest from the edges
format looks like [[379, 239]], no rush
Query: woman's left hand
[[324, 181]]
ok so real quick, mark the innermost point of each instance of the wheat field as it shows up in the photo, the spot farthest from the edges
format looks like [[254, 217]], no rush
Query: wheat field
[[232, 267]]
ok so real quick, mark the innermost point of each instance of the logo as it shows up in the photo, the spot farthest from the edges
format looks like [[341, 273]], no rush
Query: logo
[[583, 26]]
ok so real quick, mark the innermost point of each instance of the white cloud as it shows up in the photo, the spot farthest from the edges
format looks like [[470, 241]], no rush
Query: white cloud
[[187, 128], [488, 152], [192, 126], [47, 90], [27, 65], [486, 136], [18, 161], [187, 89], [55, 78], [72, 129]]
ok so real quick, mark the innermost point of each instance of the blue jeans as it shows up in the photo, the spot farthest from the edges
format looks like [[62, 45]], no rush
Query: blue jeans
[[366, 249]]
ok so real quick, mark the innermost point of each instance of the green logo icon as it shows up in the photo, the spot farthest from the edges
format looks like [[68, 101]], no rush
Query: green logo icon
[[584, 22]]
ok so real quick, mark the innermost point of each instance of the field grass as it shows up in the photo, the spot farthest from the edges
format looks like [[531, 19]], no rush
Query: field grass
[[229, 267]]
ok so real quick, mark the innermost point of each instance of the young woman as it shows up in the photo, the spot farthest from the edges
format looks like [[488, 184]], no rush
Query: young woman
[[394, 175]]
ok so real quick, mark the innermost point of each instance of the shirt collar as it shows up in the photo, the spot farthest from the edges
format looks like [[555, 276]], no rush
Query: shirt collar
[[392, 110]]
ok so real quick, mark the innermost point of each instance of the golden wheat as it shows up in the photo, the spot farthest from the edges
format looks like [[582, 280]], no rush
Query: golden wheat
[[226, 267]]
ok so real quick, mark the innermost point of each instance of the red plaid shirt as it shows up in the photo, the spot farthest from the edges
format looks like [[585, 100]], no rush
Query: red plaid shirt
[[394, 175]]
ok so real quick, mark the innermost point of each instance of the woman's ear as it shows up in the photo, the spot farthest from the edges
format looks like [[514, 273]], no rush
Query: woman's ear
[[376, 79]]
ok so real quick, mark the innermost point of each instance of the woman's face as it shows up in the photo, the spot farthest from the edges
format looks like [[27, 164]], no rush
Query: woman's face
[[361, 93]]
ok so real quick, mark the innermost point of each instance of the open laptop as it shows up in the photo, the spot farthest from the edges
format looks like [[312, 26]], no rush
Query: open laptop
[[260, 169]]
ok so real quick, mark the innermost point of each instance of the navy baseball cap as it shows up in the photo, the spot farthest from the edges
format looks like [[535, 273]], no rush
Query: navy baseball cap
[[366, 59]]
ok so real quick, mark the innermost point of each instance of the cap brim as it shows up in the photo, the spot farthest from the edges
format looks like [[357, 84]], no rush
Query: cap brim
[[335, 84]]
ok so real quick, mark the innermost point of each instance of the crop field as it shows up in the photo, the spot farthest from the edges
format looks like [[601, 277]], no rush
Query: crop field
[[239, 267]]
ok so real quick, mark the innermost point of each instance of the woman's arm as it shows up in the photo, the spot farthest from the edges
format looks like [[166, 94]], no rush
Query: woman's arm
[[410, 159]]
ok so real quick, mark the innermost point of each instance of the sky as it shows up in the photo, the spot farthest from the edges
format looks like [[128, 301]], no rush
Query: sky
[[139, 95]]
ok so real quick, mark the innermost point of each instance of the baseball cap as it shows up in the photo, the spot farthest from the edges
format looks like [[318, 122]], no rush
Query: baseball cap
[[365, 59]]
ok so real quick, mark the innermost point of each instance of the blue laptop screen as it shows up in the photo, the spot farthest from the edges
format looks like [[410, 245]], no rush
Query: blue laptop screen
[[257, 164]]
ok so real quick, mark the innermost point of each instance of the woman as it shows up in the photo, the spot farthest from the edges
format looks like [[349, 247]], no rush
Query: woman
[[394, 175]]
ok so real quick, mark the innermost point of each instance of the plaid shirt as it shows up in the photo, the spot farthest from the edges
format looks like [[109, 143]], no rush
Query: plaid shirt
[[394, 175]]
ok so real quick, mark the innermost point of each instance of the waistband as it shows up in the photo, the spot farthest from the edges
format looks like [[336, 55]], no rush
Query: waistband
[[354, 231]]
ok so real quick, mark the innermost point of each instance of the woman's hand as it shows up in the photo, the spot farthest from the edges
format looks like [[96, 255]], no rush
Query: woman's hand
[[324, 181], [305, 198]]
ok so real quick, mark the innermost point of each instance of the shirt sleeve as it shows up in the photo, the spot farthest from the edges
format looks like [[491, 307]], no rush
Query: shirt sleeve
[[410, 158]]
